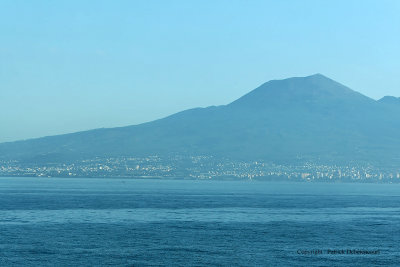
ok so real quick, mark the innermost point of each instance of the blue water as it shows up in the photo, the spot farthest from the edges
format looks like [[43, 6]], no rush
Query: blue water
[[95, 222]]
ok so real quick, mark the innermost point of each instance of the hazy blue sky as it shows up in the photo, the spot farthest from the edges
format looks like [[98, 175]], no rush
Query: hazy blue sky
[[69, 65]]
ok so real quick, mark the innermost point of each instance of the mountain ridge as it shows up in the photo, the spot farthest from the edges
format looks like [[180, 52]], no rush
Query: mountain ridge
[[310, 116], [390, 100]]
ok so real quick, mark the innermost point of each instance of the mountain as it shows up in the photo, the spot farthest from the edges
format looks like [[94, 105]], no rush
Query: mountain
[[390, 100], [303, 117]]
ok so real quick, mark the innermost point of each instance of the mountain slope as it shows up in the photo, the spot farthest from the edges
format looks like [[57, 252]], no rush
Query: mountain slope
[[310, 116]]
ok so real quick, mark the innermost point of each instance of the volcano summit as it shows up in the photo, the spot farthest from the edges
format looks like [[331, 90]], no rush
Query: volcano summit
[[309, 117]]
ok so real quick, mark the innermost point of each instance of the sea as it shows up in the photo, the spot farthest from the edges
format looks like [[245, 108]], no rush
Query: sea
[[156, 222]]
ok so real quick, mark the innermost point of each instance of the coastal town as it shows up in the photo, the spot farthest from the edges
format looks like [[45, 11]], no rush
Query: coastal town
[[200, 167]]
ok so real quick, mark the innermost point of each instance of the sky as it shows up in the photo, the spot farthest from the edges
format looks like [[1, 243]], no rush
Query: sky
[[68, 66]]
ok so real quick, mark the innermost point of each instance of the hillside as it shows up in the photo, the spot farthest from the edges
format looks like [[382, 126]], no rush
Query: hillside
[[306, 117]]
